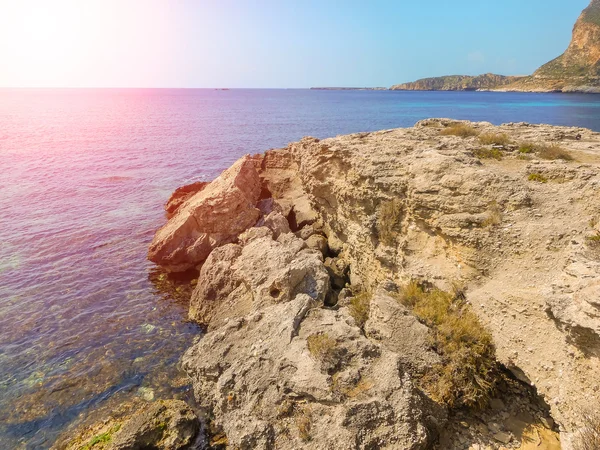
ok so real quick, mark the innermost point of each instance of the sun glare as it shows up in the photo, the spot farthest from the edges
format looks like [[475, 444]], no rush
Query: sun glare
[[69, 42]]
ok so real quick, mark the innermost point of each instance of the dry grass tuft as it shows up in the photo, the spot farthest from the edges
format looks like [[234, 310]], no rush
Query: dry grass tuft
[[588, 437], [359, 308], [494, 139], [526, 148], [324, 349], [459, 129], [468, 373], [545, 151], [552, 152], [304, 423], [537, 177], [494, 215], [593, 241], [361, 387], [488, 153], [388, 220]]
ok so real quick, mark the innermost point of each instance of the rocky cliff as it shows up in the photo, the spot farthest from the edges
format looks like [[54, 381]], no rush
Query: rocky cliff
[[431, 287], [576, 70], [457, 83]]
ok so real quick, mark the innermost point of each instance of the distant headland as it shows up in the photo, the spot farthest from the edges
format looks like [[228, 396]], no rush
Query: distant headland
[[349, 88], [576, 70]]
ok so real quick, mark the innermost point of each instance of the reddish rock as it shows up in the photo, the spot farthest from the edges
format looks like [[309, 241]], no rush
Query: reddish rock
[[181, 194], [214, 216]]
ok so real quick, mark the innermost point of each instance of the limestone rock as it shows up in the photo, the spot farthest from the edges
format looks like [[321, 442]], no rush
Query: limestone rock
[[181, 194], [236, 279], [276, 223], [164, 425], [214, 216], [268, 388], [520, 248], [161, 425], [400, 332], [338, 271], [317, 242]]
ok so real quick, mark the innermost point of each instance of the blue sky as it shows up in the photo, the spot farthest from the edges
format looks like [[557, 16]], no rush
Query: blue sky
[[274, 43]]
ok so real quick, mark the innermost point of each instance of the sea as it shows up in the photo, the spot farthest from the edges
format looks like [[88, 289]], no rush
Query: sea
[[86, 322]]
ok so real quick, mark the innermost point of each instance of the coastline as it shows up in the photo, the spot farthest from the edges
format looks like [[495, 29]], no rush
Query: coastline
[[356, 219]]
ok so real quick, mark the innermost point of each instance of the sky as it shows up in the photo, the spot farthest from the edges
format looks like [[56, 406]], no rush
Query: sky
[[274, 43]]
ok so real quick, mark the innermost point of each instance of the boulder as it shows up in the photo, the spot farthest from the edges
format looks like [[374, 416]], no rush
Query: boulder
[[295, 376], [399, 331], [338, 270], [238, 279], [317, 242], [181, 194], [212, 217], [276, 223], [164, 425]]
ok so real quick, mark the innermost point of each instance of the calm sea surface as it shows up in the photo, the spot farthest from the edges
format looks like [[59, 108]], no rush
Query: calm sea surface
[[85, 320]]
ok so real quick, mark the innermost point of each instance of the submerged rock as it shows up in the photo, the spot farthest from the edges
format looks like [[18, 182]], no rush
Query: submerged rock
[[162, 425]]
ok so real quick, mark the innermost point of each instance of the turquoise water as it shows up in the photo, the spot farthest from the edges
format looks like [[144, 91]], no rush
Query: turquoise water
[[85, 320]]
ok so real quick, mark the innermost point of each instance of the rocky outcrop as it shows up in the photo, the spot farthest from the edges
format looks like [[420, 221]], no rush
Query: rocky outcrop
[[269, 387], [530, 277], [582, 58], [457, 83], [215, 215], [576, 70], [181, 194], [239, 279], [293, 359], [163, 425]]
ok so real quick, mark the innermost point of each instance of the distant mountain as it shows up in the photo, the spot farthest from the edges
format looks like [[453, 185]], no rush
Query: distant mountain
[[457, 83], [576, 70]]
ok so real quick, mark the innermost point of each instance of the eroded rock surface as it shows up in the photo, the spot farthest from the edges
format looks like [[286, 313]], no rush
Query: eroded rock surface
[[181, 194], [162, 425], [215, 215], [269, 388], [238, 279], [524, 250], [515, 234]]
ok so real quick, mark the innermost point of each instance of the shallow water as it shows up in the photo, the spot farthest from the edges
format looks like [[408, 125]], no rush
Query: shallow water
[[84, 319]]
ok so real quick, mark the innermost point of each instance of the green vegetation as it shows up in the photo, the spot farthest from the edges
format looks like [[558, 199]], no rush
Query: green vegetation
[[468, 372], [102, 438], [592, 13], [494, 139], [527, 147], [488, 153], [359, 307], [388, 221], [537, 177], [594, 241], [459, 129], [494, 215], [588, 437]]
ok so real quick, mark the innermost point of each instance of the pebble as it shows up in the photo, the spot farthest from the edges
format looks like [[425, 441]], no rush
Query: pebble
[[505, 438]]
